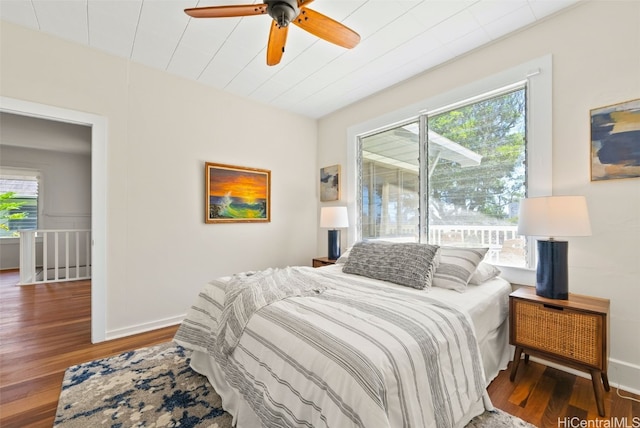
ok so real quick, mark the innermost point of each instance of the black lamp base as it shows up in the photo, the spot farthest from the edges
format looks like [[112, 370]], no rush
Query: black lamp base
[[334, 244], [552, 278]]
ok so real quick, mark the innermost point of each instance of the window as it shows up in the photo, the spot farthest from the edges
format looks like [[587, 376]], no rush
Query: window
[[450, 177], [390, 184], [19, 204]]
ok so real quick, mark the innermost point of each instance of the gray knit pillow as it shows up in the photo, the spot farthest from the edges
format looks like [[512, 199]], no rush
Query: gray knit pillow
[[409, 264]]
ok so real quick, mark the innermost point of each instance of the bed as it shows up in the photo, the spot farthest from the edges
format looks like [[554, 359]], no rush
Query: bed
[[324, 347]]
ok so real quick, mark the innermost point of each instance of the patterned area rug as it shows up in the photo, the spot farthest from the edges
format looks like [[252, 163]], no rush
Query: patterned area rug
[[155, 387]]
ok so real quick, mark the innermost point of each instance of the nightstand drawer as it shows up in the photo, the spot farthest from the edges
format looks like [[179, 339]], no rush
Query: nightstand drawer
[[558, 330]]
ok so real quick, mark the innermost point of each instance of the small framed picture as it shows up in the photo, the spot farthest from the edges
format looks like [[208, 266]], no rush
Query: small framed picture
[[237, 194], [330, 183], [615, 141]]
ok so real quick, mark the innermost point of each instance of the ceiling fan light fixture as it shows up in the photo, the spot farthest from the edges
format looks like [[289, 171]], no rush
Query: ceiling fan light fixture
[[283, 12]]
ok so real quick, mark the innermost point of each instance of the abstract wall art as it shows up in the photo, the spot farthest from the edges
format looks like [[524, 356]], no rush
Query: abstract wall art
[[615, 141], [330, 183]]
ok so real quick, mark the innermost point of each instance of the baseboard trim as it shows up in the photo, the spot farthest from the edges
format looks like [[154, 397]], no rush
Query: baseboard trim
[[143, 328], [622, 374], [623, 371]]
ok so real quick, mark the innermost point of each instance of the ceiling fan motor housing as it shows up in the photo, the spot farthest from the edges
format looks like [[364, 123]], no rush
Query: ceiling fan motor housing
[[282, 11]]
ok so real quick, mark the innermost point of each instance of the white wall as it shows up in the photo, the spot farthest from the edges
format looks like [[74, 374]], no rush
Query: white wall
[[596, 62], [61, 153], [161, 130]]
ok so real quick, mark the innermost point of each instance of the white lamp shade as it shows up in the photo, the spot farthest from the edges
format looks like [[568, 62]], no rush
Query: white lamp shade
[[334, 217], [552, 216]]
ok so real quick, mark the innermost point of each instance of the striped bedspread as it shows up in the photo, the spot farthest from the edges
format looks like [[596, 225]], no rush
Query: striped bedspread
[[245, 294], [359, 353]]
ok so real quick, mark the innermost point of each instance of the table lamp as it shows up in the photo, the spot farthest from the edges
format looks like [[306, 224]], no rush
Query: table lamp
[[553, 216], [334, 218]]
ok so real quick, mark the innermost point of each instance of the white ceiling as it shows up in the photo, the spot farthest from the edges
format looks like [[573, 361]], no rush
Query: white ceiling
[[400, 38]]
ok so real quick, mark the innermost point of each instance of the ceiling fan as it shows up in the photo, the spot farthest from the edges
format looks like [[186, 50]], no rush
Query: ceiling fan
[[283, 13]]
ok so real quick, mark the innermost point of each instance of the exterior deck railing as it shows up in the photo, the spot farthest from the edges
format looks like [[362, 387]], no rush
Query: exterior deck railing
[[54, 255], [504, 243]]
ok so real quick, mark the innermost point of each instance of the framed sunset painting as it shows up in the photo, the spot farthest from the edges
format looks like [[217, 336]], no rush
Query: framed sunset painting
[[237, 194]]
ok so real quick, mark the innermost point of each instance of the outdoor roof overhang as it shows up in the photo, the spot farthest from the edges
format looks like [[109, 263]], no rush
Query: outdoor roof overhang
[[403, 155]]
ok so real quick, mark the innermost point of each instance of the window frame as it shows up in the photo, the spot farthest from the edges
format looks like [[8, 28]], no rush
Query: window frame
[[537, 75], [422, 146]]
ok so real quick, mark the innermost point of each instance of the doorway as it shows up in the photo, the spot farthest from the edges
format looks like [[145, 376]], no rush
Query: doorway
[[98, 125]]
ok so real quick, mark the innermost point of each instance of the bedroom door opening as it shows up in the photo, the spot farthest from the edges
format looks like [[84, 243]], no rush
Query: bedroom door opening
[[98, 125]]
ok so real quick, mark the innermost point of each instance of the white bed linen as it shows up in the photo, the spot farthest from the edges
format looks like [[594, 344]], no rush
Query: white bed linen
[[244, 416], [487, 305]]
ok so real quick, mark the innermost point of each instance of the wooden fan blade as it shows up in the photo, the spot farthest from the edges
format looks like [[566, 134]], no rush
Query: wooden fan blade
[[275, 46], [326, 28], [226, 11]]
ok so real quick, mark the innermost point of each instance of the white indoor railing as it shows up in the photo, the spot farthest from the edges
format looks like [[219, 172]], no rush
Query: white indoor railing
[[54, 255]]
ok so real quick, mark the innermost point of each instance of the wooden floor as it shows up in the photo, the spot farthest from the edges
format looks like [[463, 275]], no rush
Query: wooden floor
[[46, 328], [43, 330]]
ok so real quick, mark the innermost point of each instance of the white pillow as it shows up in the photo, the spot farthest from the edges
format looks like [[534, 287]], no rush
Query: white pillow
[[484, 273], [457, 265]]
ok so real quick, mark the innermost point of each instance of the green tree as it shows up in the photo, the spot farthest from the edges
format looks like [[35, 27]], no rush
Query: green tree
[[495, 129], [7, 210]]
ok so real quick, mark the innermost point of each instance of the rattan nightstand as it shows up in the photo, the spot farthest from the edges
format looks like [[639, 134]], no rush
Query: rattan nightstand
[[572, 332]]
